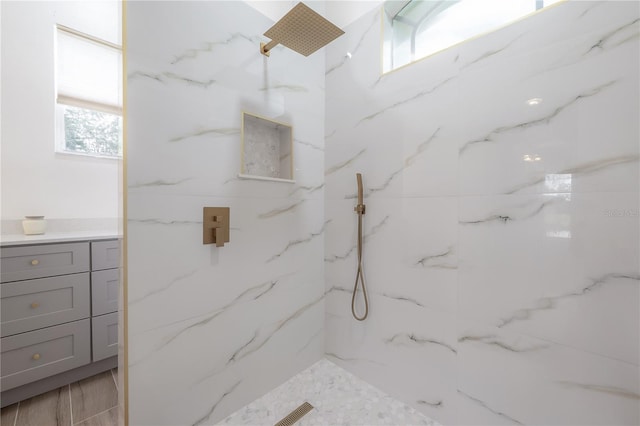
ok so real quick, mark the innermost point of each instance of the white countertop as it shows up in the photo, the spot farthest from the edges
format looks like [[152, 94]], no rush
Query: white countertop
[[57, 237]]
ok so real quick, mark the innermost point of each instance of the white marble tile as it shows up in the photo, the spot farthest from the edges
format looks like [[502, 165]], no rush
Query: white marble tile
[[516, 379], [584, 101], [224, 325], [547, 249], [338, 398], [562, 267]]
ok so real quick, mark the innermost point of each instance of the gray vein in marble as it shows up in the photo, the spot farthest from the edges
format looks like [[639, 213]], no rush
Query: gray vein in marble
[[140, 74], [336, 288], [163, 288], [548, 303], [421, 148], [330, 134], [313, 337], [590, 8], [235, 355], [309, 189], [372, 232], [505, 218], [483, 404], [285, 88], [582, 169], [204, 84], [246, 348], [437, 260], [402, 299], [385, 184], [435, 404], [260, 289], [280, 325], [343, 164], [491, 53], [611, 390], [536, 122], [407, 163], [299, 241], [217, 132], [215, 405], [406, 338], [277, 212], [161, 78], [309, 144], [405, 101], [493, 340], [159, 182], [208, 47], [374, 23], [336, 356], [601, 43]]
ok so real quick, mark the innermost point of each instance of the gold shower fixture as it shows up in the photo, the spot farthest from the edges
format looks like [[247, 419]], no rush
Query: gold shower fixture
[[302, 30]]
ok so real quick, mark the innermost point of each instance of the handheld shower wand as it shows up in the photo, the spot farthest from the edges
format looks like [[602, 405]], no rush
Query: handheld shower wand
[[360, 210]]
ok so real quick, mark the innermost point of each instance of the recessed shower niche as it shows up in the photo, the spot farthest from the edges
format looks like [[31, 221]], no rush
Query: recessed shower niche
[[267, 149]]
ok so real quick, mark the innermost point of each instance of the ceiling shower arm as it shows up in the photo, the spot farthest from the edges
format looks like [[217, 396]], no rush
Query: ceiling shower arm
[[266, 47]]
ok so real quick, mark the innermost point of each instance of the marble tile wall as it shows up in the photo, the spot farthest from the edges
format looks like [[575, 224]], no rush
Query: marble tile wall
[[212, 329], [503, 291]]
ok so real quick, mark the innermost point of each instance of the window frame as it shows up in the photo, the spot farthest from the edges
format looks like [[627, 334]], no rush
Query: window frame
[[62, 101]]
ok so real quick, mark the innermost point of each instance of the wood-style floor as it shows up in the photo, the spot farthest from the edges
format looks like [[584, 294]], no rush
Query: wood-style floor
[[89, 402]]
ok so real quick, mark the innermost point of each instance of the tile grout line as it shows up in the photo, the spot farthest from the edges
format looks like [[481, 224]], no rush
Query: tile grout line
[[70, 403], [15, 419], [96, 415]]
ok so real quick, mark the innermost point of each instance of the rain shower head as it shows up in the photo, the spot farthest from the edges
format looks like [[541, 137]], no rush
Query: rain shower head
[[302, 30]]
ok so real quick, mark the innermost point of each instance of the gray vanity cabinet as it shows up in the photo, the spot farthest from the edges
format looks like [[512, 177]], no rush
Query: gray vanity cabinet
[[59, 314]]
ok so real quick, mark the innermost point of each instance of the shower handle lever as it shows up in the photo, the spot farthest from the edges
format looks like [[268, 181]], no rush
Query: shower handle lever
[[215, 225]]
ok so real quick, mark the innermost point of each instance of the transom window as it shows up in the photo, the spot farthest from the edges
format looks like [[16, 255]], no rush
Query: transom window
[[415, 29]]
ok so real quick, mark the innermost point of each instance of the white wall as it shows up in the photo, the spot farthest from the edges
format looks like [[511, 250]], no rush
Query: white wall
[[502, 291], [36, 180]]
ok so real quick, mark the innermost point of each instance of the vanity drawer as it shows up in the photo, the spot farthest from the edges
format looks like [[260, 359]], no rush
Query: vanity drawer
[[28, 262], [29, 305], [105, 255], [105, 336], [38, 354], [105, 286]]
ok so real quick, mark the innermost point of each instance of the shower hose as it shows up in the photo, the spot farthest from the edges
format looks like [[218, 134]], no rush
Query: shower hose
[[360, 209]]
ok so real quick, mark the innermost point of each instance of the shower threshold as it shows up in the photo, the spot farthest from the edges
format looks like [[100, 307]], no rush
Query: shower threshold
[[338, 398]]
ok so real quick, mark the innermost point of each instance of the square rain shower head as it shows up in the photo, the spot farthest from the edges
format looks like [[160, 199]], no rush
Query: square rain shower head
[[302, 30]]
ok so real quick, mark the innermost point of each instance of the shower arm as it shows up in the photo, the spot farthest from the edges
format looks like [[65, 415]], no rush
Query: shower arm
[[265, 48]]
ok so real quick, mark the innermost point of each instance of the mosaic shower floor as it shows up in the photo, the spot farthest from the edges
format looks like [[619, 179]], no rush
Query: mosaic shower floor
[[338, 397]]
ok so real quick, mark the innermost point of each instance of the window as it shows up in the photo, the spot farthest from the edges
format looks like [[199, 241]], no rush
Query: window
[[89, 94], [418, 28]]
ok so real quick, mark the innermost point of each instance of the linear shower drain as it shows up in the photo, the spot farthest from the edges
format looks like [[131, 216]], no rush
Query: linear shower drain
[[295, 415]]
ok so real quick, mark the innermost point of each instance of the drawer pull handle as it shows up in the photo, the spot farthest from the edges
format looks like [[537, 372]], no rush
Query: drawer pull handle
[[35, 262], [36, 356], [35, 305]]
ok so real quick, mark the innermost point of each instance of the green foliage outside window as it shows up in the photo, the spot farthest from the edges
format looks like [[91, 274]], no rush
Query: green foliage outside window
[[92, 132]]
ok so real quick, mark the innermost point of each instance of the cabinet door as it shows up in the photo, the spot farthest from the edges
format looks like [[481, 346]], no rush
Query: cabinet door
[[43, 260], [32, 356], [105, 336], [105, 286], [105, 255], [29, 305]]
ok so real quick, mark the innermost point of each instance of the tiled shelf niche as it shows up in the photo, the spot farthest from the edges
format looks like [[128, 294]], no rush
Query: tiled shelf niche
[[267, 149]]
